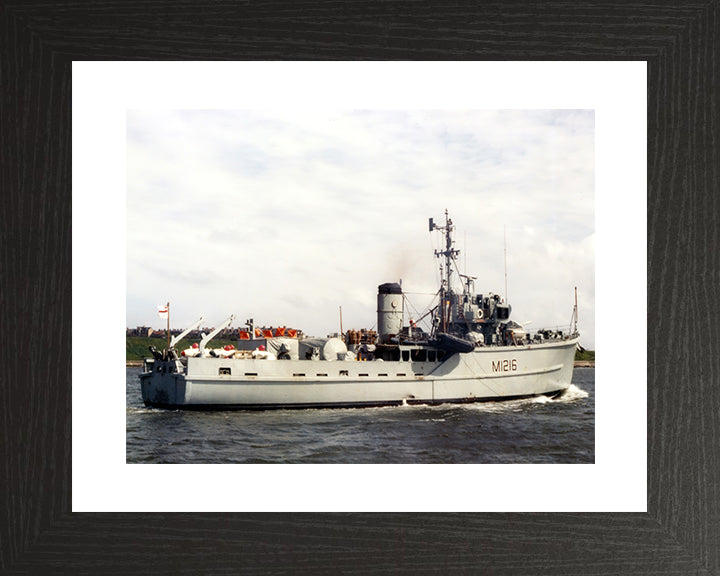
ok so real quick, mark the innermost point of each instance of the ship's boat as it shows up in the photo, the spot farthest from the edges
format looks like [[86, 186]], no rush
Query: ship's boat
[[473, 352], [454, 343]]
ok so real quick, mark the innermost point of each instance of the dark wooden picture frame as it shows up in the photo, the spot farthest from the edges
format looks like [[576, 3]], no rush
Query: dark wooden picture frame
[[680, 533]]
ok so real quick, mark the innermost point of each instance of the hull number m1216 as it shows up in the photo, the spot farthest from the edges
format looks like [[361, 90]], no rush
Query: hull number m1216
[[504, 365]]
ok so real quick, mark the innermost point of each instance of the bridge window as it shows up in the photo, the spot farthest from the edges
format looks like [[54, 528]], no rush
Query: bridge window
[[406, 355], [419, 355], [394, 355], [222, 371]]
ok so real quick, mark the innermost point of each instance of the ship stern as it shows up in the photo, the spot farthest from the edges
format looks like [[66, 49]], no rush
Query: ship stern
[[162, 387]]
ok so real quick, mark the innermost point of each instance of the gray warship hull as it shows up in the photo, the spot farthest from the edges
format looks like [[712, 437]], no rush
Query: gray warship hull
[[473, 353], [485, 374]]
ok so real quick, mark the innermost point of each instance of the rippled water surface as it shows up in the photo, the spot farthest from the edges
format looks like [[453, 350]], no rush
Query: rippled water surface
[[537, 430]]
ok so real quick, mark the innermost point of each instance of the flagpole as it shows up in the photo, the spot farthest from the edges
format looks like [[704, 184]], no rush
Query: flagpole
[[167, 332]]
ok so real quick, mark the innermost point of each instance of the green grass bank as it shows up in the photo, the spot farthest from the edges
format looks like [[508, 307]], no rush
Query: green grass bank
[[586, 356], [136, 347]]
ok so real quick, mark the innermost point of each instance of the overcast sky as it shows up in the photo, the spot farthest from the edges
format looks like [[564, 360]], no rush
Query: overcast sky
[[284, 216]]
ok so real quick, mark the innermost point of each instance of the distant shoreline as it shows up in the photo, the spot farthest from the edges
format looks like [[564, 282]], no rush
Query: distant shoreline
[[578, 363]]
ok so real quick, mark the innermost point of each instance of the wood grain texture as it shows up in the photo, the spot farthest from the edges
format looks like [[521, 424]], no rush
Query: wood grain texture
[[681, 532]]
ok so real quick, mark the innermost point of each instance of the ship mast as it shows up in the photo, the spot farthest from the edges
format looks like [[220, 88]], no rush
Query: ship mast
[[445, 272]]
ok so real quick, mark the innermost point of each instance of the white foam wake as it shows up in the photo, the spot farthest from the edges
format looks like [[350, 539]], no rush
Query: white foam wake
[[571, 394]]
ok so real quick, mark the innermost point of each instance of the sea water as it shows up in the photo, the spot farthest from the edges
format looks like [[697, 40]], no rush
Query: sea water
[[535, 430]]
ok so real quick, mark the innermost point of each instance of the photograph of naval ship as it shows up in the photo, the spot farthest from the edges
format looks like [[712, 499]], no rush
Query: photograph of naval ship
[[283, 217], [474, 352]]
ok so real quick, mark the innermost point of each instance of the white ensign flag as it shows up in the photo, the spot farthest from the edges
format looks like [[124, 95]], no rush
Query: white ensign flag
[[163, 311]]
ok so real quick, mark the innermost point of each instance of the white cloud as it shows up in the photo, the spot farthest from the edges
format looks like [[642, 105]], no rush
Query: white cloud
[[287, 215]]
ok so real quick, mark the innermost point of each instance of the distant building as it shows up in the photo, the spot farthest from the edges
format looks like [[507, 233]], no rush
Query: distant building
[[197, 334]]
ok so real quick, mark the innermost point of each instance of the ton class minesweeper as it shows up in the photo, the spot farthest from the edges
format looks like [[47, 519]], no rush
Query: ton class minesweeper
[[473, 353]]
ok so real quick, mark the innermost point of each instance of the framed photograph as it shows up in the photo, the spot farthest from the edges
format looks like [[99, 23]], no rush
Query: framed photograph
[[302, 233], [536, 172], [60, 408]]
